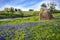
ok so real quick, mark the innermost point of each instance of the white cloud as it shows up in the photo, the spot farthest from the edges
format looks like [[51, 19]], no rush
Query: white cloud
[[35, 7]]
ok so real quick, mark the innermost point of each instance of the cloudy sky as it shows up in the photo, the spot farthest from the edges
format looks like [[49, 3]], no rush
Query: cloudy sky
[[26, 4]]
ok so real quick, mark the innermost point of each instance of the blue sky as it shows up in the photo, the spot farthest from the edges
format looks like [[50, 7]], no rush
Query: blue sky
[[25, 4]]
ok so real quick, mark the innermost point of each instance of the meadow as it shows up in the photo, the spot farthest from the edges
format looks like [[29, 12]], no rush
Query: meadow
[[30, 28]]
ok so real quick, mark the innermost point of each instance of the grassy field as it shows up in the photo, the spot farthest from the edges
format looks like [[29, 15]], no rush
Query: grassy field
[[30, 19], [31, 28]]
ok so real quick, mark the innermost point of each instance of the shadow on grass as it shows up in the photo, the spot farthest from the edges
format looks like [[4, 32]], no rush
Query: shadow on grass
[[56, 18]]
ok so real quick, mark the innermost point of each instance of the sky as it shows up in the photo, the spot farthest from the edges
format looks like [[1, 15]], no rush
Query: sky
[[26, 4]]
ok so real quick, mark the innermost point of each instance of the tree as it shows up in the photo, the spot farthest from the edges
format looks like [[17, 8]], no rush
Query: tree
[[43, 5], [31, 10], [20, 11], [52, 7], [6, 10], [15, 9], [9, 10]]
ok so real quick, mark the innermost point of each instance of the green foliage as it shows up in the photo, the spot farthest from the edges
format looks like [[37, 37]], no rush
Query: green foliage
[[11, 13], [31, 10], [52, 7], [43, 5], [19, 35], [36, 13], [9, 10], [56, 11], [20, 12], [45, 31], [14, 13], [15, 10]]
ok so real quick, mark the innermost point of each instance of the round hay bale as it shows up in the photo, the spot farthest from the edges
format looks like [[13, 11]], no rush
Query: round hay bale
[[45, 15]]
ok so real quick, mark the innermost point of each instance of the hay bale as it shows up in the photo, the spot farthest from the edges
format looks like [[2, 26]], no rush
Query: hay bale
[[45, 15]]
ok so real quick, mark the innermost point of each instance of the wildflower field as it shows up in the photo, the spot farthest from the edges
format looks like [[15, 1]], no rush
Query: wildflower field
[[30, 28]]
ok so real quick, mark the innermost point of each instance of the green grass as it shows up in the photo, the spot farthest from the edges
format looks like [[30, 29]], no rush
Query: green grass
[[49, 30], [46, 31], [21, 20], [30, 19]]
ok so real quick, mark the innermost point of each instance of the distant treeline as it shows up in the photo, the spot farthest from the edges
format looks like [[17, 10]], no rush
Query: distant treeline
[[14, 13]]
